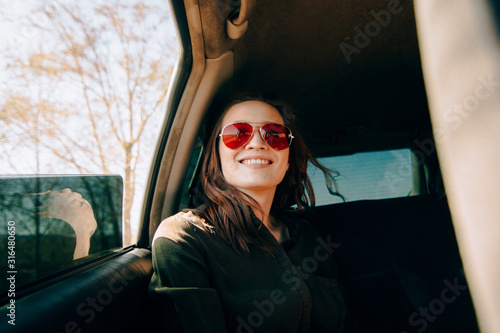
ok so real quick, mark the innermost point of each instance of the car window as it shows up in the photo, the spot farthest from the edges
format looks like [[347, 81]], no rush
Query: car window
[[53, 223], [364, 176], [82, 98]]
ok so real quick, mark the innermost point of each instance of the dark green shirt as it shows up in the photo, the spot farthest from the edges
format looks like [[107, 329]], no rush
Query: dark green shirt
[[217, 289]]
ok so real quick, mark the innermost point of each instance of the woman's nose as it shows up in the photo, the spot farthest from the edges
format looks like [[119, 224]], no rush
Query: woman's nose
[[256, 141]]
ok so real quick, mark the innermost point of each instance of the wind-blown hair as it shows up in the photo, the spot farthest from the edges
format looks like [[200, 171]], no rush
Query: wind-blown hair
[[227, 210]]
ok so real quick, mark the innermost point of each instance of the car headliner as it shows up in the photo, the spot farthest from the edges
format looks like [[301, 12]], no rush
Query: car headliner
[[350, 68]]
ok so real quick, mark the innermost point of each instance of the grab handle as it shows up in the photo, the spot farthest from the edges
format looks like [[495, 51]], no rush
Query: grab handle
[[237, 25]]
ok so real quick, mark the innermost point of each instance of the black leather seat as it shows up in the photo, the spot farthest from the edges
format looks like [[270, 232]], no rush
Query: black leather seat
[[396, 257]]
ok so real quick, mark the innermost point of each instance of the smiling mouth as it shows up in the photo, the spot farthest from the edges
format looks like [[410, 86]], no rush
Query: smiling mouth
[[256, 161]]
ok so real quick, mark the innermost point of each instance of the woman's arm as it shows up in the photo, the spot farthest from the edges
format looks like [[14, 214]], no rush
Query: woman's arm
[[181, 274]]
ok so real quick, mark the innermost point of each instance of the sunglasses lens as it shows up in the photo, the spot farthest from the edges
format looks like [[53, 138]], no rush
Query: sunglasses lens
[[236, 135], [276, 135]]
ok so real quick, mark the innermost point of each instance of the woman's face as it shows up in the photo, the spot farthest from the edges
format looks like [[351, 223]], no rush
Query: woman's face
[[256, 166]]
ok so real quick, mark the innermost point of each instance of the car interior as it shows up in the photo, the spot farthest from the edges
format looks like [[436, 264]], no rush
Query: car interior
[[364, 77]]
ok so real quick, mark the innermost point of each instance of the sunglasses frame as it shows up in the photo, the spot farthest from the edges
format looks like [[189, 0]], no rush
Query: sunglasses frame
[[259, 128]]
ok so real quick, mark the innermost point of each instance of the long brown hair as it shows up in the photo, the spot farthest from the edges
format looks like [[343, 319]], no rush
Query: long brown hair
[[227, 209]]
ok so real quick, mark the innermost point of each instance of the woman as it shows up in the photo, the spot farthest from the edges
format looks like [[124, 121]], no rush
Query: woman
[[239, 263]]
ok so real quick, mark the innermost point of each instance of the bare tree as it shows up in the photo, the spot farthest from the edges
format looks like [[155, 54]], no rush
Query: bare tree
[[91, 86]]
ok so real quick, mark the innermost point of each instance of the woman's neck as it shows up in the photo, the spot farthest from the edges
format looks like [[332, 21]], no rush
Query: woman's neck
[[263, 212], [262, 205]]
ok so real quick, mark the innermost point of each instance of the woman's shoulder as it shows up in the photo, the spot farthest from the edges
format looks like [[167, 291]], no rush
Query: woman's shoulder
[[181, 225]]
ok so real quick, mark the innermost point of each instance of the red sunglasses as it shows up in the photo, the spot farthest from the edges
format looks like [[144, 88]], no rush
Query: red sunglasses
[[236, 135]]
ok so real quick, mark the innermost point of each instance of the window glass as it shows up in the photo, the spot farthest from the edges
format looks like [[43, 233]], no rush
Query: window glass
[[48, 224], [365, 176], [82, 92]]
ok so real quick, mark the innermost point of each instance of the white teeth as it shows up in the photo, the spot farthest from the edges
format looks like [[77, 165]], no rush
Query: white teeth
[[256, 161]]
